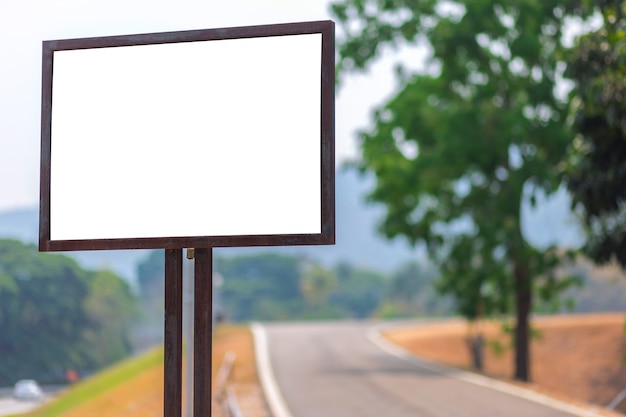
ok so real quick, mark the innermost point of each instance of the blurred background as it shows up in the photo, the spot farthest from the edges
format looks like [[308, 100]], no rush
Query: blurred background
[[481, 157]]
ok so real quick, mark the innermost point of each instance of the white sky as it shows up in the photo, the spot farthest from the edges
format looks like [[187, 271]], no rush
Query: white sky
[[24, 24]]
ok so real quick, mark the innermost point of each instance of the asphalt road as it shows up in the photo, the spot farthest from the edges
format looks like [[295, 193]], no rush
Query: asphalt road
[[10, 406], [334, 369]]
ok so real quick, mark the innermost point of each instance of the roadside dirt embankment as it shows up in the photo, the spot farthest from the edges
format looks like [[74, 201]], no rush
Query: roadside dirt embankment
[[576, 358]]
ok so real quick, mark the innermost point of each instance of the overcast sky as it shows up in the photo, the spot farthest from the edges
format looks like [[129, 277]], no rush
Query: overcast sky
[[24, 24]]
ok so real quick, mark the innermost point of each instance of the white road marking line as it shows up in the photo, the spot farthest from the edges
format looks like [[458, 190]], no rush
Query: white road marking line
[[374, 335], [273, 396]]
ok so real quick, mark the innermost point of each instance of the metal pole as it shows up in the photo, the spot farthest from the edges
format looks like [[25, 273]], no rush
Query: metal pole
[[173, 341], [203, 330]]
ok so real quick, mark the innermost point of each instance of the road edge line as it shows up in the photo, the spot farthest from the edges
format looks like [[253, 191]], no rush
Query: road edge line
[[374, 336], [271, 391]]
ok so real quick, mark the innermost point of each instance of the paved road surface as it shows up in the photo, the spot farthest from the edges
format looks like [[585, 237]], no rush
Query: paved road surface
[[333, 369], [10, 406]]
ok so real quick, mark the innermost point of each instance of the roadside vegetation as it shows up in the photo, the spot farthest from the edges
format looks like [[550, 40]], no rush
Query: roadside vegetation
[[58, 319], [107, 392], [134, 387], [270, 286]]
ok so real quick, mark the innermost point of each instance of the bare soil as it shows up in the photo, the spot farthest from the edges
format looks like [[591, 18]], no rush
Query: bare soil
[[575, 358], [244, 379], [142, 395]]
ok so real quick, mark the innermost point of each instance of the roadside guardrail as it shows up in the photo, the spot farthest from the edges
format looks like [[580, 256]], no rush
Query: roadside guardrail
[[224, 393]]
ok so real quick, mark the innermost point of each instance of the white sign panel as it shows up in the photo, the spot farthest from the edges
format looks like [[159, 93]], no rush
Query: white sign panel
[[203, 138]]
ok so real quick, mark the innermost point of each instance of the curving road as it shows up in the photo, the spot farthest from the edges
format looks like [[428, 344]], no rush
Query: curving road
[[343, 369]]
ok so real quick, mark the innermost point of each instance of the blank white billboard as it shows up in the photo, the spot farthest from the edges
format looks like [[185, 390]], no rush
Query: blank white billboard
[[203, 138]]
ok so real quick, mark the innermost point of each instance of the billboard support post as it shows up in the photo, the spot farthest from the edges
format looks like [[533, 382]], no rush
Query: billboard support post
[[203, 330], [173, 333]]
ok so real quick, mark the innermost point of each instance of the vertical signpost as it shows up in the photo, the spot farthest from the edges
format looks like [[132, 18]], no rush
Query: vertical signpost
[[195, 139]]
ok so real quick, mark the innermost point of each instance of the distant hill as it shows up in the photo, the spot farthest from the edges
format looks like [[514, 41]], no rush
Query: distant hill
[[357, 241], [21, 224]]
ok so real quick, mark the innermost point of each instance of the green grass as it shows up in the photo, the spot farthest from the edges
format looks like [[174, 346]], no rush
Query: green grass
[[98, 384]]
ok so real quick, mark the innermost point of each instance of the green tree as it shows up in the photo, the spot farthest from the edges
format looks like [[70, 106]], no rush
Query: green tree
[[81, 318], [359, 291], [596, 166], [462, 143], [111, 309], [316, 283], [261, 286], [41, 304], [151, 284], [151, 277], [271, 286], [413, 287]]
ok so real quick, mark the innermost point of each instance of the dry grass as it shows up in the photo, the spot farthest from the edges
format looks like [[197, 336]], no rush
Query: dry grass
[[244, 377], [142, 396], [237, 339], [575, 358], [104, 393], [141, 393]]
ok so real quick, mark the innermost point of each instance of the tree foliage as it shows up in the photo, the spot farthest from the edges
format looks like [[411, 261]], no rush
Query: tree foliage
[[414, 285], [460, 144], [316, 283], [110, 307], [596, 166], [359, 291], [261, 286], [151, 283], [56, 316], [273, 286]]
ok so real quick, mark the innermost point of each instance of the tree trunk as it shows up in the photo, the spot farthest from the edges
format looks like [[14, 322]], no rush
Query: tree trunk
[[523, 301], [475, 345]]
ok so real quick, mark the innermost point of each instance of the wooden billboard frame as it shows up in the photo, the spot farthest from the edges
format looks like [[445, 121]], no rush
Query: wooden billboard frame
[[326, 158]]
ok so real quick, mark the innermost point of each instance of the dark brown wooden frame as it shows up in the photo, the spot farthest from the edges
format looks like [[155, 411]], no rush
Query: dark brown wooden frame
[[327, 139]]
